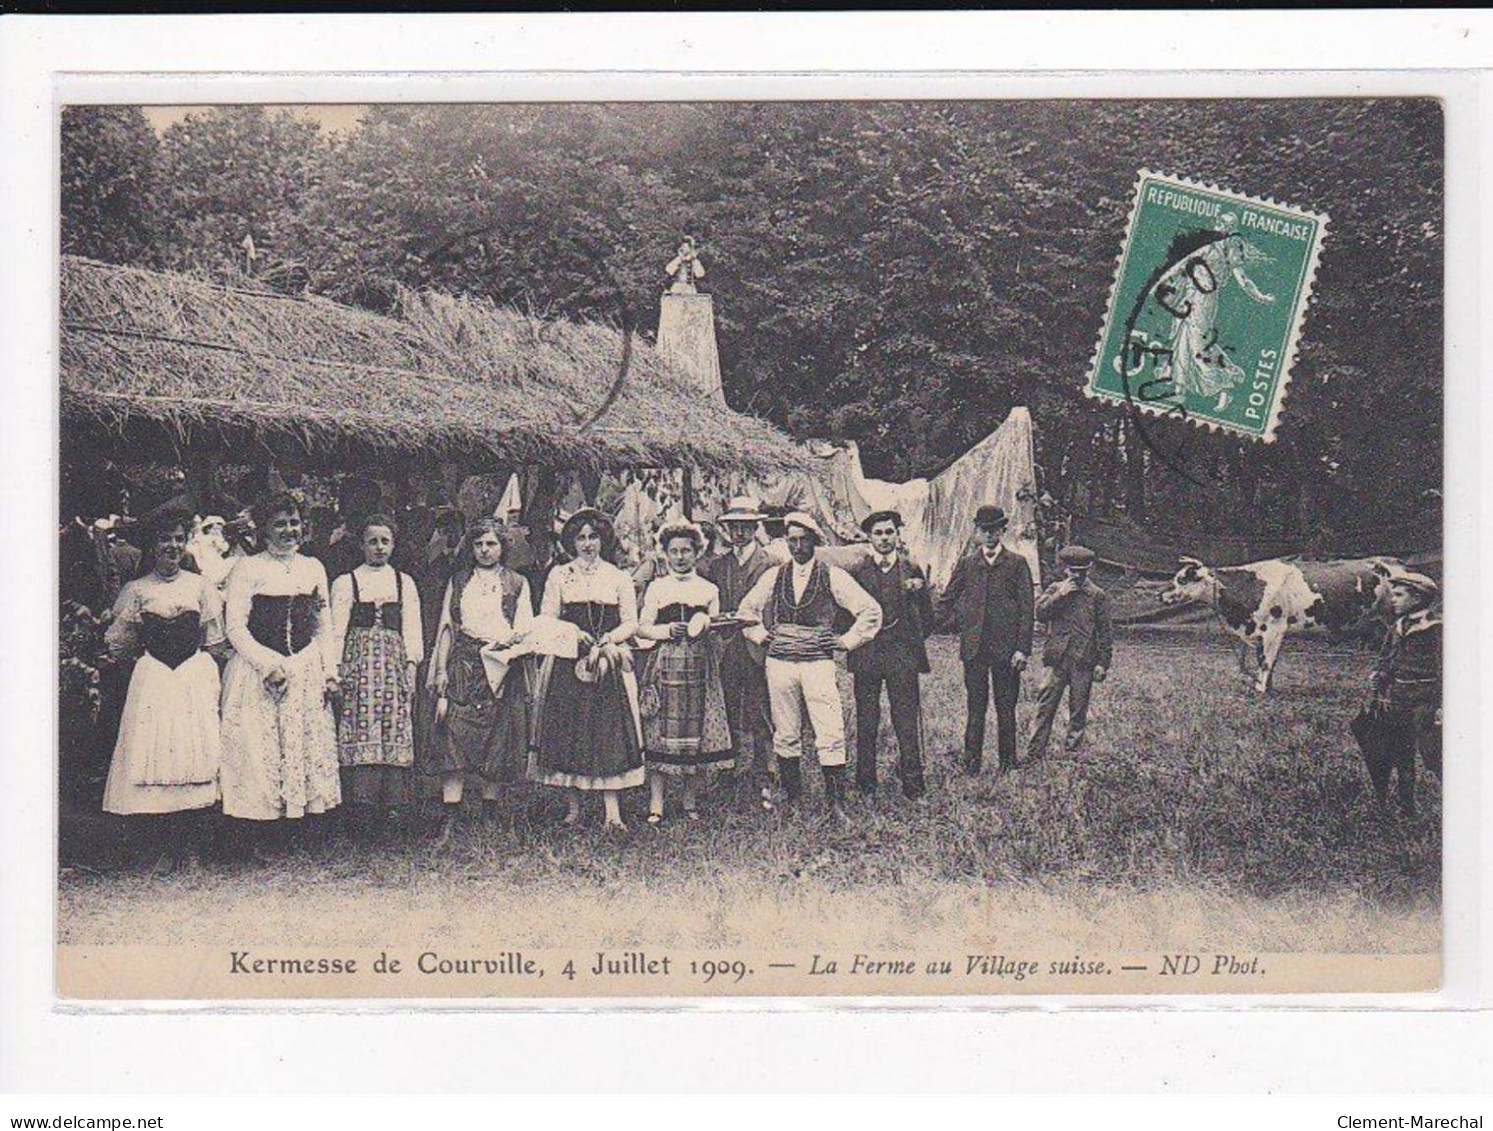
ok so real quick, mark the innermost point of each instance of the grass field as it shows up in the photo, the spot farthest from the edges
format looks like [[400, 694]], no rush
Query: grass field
[[1196, 815]]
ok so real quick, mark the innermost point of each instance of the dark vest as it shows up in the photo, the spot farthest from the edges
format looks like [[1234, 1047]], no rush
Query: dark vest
[[172, 640], [899, 646], [365, 614], [283, 624], [816, 609], [680, 613]]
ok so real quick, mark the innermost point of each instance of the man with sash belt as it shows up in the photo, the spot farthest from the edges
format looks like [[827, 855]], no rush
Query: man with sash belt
[[796, 607], [989, 601], [743, 674], [896, 657]]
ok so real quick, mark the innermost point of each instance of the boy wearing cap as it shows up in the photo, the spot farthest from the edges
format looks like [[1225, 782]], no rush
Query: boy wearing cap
[[743, 676], [989, 601], [1407, 686], [896, 656], [1079, 648], [795, 607]]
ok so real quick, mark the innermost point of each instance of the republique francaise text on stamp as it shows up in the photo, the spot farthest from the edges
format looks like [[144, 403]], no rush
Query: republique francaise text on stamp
[[1207, 305]]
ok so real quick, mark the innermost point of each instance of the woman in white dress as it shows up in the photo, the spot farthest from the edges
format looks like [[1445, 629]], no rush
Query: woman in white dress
[[167, 756], [376, 620], [279, 737], [586, 728]]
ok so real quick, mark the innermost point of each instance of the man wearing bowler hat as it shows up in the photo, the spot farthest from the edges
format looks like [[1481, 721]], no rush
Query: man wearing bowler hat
[[989, 601], [896, 656], [796, 608], [1079, 648]]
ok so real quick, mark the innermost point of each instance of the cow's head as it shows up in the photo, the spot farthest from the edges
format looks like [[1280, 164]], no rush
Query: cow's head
[[1193, 581]]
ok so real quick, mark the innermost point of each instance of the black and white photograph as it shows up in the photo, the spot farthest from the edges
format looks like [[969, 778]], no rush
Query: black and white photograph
[[936, 548]]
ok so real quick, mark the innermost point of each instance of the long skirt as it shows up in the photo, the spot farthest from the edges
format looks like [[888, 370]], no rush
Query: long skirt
[[484, 733], [375, 729], [279, 757], [586, 735], [685, 727], [167, 757]]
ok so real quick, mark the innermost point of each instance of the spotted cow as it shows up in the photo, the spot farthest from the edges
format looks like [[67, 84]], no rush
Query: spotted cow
[[1260, 603]]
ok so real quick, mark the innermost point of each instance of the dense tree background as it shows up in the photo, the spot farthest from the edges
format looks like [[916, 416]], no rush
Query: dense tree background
[[900, 274]]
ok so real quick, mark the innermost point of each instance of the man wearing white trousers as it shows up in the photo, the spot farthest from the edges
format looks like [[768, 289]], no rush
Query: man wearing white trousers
[[796, 608]]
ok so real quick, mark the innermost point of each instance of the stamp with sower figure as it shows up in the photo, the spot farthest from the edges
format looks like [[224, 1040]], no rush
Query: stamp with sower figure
[[1207, 305]]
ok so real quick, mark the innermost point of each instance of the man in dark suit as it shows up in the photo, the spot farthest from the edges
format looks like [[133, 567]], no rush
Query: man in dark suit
[[989, 601], [1079, 648], [895, 657], [734, 571]]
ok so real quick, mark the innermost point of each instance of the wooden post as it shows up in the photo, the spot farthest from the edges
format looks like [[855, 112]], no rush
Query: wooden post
[[541, 492], [201, 468], [590, 486]]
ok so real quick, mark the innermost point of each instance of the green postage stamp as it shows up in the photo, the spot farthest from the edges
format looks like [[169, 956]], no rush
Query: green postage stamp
[[1207, 305]]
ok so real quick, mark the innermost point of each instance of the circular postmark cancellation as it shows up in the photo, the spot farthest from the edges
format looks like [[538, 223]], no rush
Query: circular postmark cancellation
[[1206, 308]]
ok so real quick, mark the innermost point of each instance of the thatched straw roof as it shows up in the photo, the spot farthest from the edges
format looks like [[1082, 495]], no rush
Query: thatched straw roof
[[147, 356]]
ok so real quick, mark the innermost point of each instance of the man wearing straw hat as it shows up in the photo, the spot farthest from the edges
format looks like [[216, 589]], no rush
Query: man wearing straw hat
[[734, 571], [794, 608]]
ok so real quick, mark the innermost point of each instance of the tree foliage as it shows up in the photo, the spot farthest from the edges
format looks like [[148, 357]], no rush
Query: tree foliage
[[900, 274], [109, 182]]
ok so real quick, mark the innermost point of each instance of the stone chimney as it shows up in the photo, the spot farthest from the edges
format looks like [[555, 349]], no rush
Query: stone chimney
[[686, 324]]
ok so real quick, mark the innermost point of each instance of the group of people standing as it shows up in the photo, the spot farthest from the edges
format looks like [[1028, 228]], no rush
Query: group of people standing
[[280, 695], [721, 661]]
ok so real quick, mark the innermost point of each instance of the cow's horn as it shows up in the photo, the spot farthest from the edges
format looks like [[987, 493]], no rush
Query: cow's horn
[[1190, 561]]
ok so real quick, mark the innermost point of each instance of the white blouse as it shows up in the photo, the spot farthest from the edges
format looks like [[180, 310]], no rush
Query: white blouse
[[265, 574], [378, 585], [603, 584], [692, 590], [185, 593], [482, 612]]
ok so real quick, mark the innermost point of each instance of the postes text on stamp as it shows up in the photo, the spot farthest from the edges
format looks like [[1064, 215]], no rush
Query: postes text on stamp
[[1207, 305]]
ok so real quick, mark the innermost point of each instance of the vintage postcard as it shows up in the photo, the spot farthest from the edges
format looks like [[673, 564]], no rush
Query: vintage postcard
[[596, 551]]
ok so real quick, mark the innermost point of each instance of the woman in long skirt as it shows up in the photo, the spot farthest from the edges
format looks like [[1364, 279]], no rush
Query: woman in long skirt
[[167, 756], [376, 617], [482, 704], [684, 709], [586, 728], [279, 737]]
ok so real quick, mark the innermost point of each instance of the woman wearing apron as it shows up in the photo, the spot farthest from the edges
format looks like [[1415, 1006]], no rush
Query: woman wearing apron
[[684, 709], [167, 756], [376, 617]]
